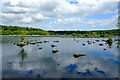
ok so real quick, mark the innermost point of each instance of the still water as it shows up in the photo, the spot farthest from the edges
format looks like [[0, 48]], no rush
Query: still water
[[32, 62]]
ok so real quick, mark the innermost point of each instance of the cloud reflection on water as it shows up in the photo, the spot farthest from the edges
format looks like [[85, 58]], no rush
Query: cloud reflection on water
[[43, 63]]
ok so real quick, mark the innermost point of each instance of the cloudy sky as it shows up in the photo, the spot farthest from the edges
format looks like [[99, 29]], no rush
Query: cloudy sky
[[60, 14]]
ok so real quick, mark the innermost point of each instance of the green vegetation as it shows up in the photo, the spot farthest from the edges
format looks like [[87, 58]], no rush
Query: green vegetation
[[15, 30], [23, 31], [27, 42], [22, 35], [98, 33]]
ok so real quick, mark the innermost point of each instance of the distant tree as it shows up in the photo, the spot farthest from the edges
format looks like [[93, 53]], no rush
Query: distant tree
[[73, 34], [94, 34]]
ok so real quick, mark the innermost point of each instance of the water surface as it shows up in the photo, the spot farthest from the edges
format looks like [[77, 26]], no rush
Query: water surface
[[32, 62]]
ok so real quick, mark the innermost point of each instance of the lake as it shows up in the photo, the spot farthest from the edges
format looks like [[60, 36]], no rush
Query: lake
[[32, 62]]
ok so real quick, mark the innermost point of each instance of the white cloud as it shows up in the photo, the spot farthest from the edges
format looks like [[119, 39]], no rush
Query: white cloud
[[50, 22], [71, 20], [9, 18], [15, 10], [63, 7], [26, 20], [28, 11], [39, 17], [59, 20], [93, 25], [55, 22]]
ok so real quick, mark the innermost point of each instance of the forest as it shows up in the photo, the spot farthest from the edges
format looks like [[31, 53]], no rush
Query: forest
[[16, 30]]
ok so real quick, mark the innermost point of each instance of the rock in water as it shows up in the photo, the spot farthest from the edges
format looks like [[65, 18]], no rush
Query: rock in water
[[14, 43], [54, 51], [76, 55], [21, 44], [56, 41], [101, 44], [104, 49], [103, 40], [46, 41], [96, 40], [33, 43], [83, 44], [40, 48], [39, 42], [88, 41], [53, 46]]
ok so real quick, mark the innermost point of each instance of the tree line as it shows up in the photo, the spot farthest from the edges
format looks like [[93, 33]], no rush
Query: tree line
[[16, 30]]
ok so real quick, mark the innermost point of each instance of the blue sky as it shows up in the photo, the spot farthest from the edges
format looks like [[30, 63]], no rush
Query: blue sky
[[61, 14], [101, 16], [73, 1]]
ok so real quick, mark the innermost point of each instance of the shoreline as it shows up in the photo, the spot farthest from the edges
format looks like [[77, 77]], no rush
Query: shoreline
[[62, 36]]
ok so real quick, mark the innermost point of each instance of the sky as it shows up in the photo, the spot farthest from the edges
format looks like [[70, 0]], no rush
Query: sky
[[60, 14]]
